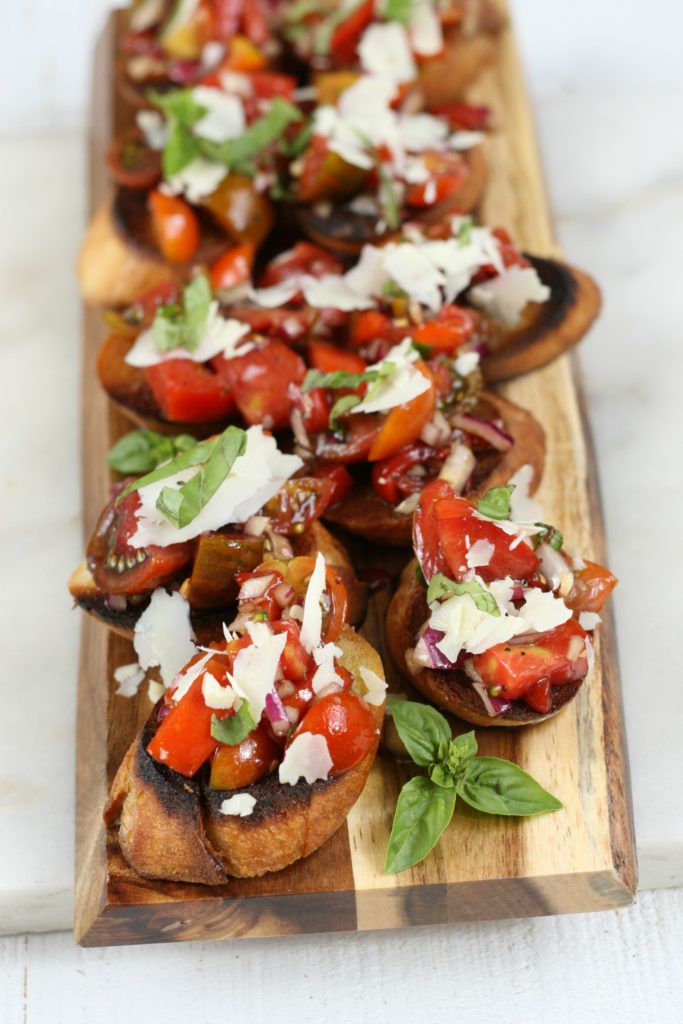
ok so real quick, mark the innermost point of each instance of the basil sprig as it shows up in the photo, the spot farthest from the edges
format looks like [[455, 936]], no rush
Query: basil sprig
[[343, 379], [398, 10], [143, 450], [441, 586], [234, 729], [214, 459], [182, 325], [426, 803], [496, 502], [550, 535]]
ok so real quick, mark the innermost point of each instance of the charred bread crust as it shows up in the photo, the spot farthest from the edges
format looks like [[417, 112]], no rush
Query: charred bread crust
[[365, 514], [172, 828], [112, 273], [451, 689], [208, 625], [548, 329], [344, 231], [119, 259], [468, 50]]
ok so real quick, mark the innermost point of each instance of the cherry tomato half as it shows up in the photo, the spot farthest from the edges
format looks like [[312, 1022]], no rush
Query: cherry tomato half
[[348, 725]]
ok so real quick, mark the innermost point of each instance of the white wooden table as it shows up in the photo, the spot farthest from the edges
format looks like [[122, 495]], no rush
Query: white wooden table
[[609, 123]]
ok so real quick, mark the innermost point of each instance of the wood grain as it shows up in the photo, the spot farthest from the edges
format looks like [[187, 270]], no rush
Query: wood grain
[[580, 859]]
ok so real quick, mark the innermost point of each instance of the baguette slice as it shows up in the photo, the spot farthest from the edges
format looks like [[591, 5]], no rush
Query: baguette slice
[[451, 689], [170, 827]]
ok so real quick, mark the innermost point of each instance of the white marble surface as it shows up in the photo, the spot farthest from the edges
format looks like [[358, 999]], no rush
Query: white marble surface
[[609, 119]]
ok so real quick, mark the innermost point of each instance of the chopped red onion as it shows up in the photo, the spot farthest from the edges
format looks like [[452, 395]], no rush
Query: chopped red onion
[[555, 568], [117, 602], [283, 594], [427, 653], [485, 429], [276, 713], [494, 705], [457, 467], [254, 588], [256, 526]]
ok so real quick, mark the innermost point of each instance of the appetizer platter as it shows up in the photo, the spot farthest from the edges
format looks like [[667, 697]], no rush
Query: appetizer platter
[[383, 460]]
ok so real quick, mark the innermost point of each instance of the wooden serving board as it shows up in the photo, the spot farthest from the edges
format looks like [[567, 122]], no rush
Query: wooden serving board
[[579, 859]]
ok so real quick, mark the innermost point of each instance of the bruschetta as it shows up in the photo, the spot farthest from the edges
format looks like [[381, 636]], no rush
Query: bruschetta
[[494, 621], [164, 531], [259, 748]]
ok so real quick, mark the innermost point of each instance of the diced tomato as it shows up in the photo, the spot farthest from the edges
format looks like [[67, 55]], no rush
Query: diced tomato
[[456, 523], [592, 586], [340, 478], [405, 422], [346, 36], [120, 568], [354, 445], [298, 573], [298, 504], [233, 267], [132, 163], [259, 381], [243, 55], [447, 173], [227, 18], [295, 661], [464, 116], [391, 478], [246, 762], [368, 325], [188, 392], [329, 358], [447, 331], [267, 85], [183, 741], [425, 529], [348, 725], [326, 175], [175, 226], [539, 696], [254, 23], [290, 324], [302, 258], [558, 656], [314, 406]]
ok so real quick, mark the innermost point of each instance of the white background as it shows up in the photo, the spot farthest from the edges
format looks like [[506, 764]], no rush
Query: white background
[[608, 91]]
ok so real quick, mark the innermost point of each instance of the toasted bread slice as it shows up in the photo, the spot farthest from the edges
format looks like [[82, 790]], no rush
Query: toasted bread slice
[[451, 689], [547, 329], [364, 513], [171, 827]]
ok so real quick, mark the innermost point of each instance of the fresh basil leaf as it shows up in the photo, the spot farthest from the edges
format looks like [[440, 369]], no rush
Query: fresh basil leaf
[[423, 811], [398, 10], [342, 405], [423, 730], [465, 231], [441, 586], [180, 150], [440, 775], [143, 450], [196, 456], [180, 505], [392, 214], [258, 136], [463, 748], [233, 730], [550, 535], [296, 146], [183, 326], [495, 786], [334, 379], [178, 104], [496, 502]]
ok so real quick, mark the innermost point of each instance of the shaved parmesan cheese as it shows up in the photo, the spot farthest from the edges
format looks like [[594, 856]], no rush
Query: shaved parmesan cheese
[[362, 118], [523, 509], [325, 674], [384, 50], [461, 141], [422, 131], [333, 291], [155, 690], [128, 678], [255, 477], [278, 294], [220, 337], [200, 178], [212, 54], [507, 295], [542, 611], [153, 127], [224, 119], [163, 635], [221, 698], [307, 756], [589, 620], [408, 505], [376, 687], [467, 363], [479, 554], [413, 271], [401, 384], [312, 621], [241, 805], [424, 29], [255, 667]]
